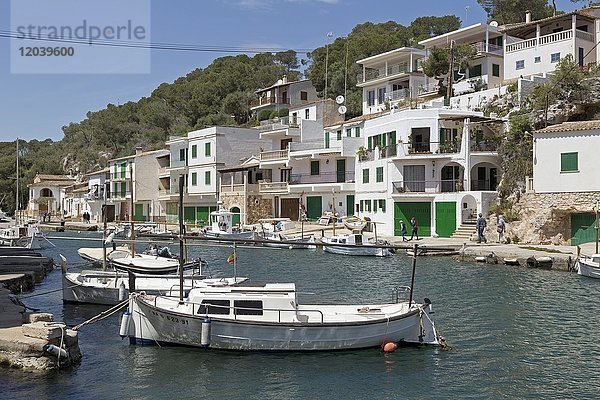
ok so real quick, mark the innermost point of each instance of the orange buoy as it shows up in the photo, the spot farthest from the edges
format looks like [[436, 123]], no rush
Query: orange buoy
[[389, 347]]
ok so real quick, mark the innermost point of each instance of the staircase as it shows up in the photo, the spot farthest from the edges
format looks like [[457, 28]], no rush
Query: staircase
[[465, 231]]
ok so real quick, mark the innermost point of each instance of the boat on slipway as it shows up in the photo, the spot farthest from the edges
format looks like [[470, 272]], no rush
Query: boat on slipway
[[270, 318], [223, 226], [588, 266], [272, 235], [353, 244]]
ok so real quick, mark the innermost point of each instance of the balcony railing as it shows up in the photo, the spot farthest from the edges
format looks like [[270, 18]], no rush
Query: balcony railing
[[170, 191], [396, 95], [491, 48], [429, 186], [120, 195], [263, 101], [326, 177], [372, 73], [484, 145], [482, 185], [547, 39], [274, 155], [428, 88], [273, 187], [178, 163], [119, 176], [238, 188]]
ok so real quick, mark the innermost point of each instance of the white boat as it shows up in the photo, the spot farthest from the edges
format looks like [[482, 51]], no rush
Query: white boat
[[353, 244], [112, 287], [354, 223], [28, 236], [222, 226], [589, 266], [270, 318], [121, 259], [272, 235]]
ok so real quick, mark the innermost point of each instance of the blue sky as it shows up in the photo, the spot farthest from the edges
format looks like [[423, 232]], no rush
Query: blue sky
[[36, 106]]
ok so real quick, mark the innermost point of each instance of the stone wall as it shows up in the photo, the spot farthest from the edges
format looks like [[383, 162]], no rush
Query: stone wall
[[256, 207], [545, 218]]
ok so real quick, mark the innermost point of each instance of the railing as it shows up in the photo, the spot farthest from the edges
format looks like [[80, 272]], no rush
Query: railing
[[428, 88], [400, 94], [481, 185], [277, 187], [371, 73], [484, 145], [115, 176], [170, 191], [178, 163], [547, 39], [283, 121], [120, 195], [430, 186], [326, 177], [274, 155], [263, 101], [238, 188], [491, 48], [583, 35]]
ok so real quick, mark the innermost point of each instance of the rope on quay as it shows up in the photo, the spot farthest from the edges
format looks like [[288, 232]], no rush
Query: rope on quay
[[102, 315]]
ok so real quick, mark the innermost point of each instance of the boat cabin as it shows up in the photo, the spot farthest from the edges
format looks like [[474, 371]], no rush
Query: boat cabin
[[355, 238]]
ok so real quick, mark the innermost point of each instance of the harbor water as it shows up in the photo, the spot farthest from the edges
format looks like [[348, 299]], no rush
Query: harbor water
[[515, 332]]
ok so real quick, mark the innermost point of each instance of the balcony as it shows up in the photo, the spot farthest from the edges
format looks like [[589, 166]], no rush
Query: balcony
[[398, 95], [432, 186], [371, 73], [120, 195], [279, 124], [484, 185], [170, 191], [491, 48], [273, 187], [265, 101], [430, 88], [327, 177], [485, 145], [238, 188], [274, 155], [548, 39], [178, 163], [120, 176]]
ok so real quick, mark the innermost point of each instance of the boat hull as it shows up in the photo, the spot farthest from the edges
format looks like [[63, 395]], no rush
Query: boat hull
[[153, 325], [358, 251], [588, 268], [291, 243]]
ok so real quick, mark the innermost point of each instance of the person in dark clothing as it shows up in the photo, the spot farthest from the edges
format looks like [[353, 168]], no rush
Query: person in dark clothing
[[415, 228], [403, 231], [481, 224]]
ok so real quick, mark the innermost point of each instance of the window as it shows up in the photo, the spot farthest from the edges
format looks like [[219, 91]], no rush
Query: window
[[194, 151], [371, 98], [207, 149], [366, 175], [357, 131], [496, 70], [475, 71], [537, 59], [379, 173], [554, 57], [303, 95], [339, 134], [207, 178], [381, 95], [307, 114], [361, 206], [349, 132], [314, 167], [248, 307], [568, 162], [194, 178], [382, 205], [520, 64], [214, 307], [181, 154]]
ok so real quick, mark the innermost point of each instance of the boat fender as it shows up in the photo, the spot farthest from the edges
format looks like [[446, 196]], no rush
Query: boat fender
[[205, 333], [57, 351], [125, 321], [122, 292]]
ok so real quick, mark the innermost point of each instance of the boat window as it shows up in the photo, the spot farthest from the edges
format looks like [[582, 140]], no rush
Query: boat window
[[248, 307], [342, 240], [214, 307]]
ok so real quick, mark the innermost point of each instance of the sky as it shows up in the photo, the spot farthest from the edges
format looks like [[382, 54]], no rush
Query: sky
[[37, 100]]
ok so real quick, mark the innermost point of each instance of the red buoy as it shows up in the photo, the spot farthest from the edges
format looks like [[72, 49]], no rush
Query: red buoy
[[389, 347]]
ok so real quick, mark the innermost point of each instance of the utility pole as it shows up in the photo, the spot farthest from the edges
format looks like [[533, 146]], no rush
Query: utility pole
[[329, 36], [17, 195], [450, 72]]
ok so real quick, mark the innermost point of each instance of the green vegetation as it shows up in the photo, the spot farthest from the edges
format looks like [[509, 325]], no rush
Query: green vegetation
[[513, 11], [540, 249], [438, 63]]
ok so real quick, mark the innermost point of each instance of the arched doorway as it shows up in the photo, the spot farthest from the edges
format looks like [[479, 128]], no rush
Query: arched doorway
[[484, 177], [236, 215], [468, 209]]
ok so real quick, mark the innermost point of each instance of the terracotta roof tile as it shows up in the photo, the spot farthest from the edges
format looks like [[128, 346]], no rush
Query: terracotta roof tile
[[572, 127]]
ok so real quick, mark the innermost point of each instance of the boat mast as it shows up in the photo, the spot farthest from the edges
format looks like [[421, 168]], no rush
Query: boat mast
[[412, 280], [597, 227], [17, 192], [181, 182], [106, 185], [333, 209], [132, 228]]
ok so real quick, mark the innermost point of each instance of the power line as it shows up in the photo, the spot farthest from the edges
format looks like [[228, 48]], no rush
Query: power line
[[150, 45]]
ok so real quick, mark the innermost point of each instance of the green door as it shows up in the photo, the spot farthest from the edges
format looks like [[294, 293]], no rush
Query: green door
[[235, 220], [405, 211], [341, 171], [582, 228], [202, 214], [350, 204], [138, 214], [314, 207], [189, 214], [445, 218]]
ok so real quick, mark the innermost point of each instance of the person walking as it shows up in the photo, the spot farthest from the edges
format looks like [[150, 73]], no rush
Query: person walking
[[403, 231], [415, 228], [481, 224], [501, 228]]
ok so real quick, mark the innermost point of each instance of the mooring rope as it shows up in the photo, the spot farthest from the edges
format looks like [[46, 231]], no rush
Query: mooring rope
[[102, 315]]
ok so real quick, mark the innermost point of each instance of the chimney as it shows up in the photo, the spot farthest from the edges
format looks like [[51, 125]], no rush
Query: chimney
[[284, 79], [527, 16], [139, 150]]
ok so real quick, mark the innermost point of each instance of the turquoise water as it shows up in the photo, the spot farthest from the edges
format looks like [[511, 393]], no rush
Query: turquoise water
[[516, 333]]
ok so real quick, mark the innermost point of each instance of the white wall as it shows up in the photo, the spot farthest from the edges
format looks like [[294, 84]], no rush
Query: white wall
[[547, 176]]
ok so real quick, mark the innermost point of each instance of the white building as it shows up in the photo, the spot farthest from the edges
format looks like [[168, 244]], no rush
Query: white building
[[391, 78], [534, 47], [284, 94], [438, 165], [46, 194], [485, 71], [95, 196]]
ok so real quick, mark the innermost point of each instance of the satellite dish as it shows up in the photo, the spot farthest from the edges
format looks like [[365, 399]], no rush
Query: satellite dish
[[340, 99], [342, 109], [494, 23]]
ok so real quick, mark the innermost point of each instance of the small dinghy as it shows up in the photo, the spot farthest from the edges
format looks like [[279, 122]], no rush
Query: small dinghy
[[539, 262], [511, 261]]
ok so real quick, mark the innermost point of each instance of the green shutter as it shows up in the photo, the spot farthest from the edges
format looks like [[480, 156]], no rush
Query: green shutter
[[314, 167], [357, 131], [370, 142], [349, 132], [194, 178], [442, 135], [393, 137], [194, 151], [326, 140], [496, 70], [568, 162], [207, 178], [383, 202], [339, 134], [366, 175], [379, 174], [361, 206], [207, 149]]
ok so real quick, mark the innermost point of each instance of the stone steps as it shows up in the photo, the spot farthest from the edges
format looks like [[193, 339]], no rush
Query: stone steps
[[465, 231]]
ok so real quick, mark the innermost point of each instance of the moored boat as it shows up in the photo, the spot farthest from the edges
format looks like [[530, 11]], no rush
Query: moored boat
[[270, 318], [588, 266], [354, 244]]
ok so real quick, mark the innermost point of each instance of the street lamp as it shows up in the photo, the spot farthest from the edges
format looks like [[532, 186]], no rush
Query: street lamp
[[329, 36]]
